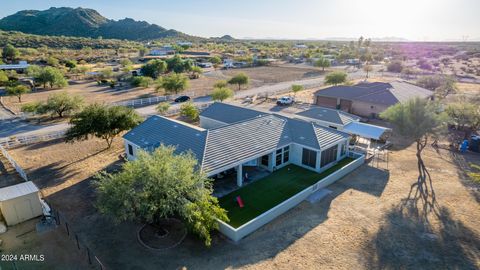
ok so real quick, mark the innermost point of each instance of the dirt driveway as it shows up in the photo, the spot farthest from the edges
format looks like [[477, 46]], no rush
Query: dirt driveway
[[360, 225]]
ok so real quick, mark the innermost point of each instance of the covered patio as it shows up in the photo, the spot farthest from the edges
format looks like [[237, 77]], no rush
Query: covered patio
[[227, 182]]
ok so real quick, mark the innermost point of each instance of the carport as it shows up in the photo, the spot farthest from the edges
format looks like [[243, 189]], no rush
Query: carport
[[366, 131]]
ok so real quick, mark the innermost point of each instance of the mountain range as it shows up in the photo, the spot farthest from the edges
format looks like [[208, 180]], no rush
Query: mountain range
[[83, 22]]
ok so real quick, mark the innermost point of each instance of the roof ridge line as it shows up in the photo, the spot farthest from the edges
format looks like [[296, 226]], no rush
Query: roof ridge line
[[204, 150]]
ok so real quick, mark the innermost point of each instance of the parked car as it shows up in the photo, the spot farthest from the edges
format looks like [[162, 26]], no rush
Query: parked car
[[182, 99], [285, 101]]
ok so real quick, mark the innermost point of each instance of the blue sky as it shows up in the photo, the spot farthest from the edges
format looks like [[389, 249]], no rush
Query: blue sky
[[295, 19]]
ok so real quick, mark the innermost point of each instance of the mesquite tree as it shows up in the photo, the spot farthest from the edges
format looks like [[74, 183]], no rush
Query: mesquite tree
[[417, 119]]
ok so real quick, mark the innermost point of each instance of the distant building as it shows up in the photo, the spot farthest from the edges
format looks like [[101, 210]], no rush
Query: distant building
[[369, 99], [300, 46], [165, 50], [184, 43], [21, 66], [352, 62]]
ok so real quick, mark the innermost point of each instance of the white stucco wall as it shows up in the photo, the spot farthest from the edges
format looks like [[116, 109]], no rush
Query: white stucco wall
[[135, 149]]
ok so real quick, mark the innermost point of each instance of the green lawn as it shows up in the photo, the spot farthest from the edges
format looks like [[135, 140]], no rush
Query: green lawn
[[264, 194]]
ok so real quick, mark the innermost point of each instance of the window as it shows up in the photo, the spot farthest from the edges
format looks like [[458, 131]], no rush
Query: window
[[278, 159], [286, 154], [309, 157], [265, 160], [329, 156], [344, 149], [130, 150]]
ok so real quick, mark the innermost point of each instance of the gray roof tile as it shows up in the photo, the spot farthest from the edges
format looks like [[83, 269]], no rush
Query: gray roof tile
[[377, 92], [229, 114], [329, 115], [227, 145]]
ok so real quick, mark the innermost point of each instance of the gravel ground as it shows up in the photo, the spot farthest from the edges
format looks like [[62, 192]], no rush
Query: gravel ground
[[360, 225]]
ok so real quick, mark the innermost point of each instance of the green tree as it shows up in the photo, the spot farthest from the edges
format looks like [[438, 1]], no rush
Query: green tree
[[336, 77], [10, 53], [140, 81], [163, 107], [71, 64], [216, 61], [195, 72], [125, 62], [173, 83], [34, 71], [449, 86], [52, 61], [3, 77], [395, 66], [239, 79], [189, 110], [442, 85], [220, 84], [51, 76], [102, 121], [296, 88], [417, 119], [323, 63], [161, 185], [32, 107], [62, 104], [222, 93], [154, 68], [142, 51], [17, 90], [179, 65], [464, 115]]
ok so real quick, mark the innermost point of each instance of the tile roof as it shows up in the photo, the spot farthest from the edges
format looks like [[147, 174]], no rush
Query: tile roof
[[157, 130], [229, 114], [329, 115], [240, 141], [227, 145], [377, 92]]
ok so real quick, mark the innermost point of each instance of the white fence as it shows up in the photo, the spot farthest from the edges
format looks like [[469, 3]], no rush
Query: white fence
[[14, 163], [238, 233], [23, 140], [149, 101]]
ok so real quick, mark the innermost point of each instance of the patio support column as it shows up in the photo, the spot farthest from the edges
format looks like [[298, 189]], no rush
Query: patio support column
[[239, 175]]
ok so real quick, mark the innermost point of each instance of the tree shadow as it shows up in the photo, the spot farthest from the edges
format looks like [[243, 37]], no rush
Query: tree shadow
[[406, 241]]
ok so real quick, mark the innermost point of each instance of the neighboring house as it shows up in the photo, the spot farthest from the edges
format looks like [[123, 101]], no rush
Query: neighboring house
[[243, 137], [300, 46], [21, 66], [165, 50], [369, 99]]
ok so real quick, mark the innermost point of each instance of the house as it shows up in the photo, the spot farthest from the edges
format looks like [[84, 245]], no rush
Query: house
[[243, 137], [300, 46], [20, 67], [165, 50], [369, 99], [221, 114]]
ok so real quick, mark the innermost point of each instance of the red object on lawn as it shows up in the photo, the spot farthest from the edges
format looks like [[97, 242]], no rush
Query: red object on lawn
[[240, 201]]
